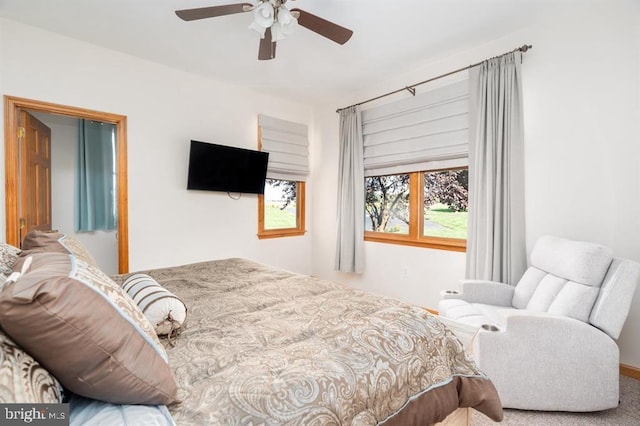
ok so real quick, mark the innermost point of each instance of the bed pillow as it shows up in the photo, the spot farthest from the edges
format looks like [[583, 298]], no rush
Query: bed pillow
[[86, 331], [164, 310], [90, 412], [22, 379], [45, 241], [8, 257]]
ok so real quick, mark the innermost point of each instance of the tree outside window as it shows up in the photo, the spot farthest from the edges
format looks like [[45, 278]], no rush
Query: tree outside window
[[387, 204], [419, 208], [445, 203], [281, 209]]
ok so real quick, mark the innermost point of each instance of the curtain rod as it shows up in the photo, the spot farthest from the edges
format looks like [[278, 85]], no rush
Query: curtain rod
[[412, 88]]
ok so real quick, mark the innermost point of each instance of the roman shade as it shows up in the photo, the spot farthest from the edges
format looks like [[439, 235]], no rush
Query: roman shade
[[425, 132], [288, 146]]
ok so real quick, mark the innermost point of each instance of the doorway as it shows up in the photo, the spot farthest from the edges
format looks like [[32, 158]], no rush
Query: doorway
[[13, 107]]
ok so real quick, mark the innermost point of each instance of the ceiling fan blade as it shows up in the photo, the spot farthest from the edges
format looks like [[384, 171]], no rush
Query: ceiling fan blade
[[267, 48], [323, 27], [212, 11]]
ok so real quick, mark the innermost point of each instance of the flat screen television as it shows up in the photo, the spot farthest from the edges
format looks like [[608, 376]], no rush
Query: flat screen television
[[224, 168]]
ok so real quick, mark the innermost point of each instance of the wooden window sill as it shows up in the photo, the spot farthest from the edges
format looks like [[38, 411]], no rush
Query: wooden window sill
[[451, 244], [279, 233]]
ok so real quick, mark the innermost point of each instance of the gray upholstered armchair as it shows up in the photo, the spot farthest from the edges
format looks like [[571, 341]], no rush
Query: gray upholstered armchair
[[548, 343]]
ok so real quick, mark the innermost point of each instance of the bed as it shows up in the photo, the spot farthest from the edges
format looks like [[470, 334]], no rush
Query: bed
[[263, 345], [260, 346]]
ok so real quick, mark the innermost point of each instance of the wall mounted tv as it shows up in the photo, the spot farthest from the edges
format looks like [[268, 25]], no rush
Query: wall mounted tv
[[224, 168]]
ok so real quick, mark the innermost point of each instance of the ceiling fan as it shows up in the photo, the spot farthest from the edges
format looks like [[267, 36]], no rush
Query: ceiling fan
[[273, 21]]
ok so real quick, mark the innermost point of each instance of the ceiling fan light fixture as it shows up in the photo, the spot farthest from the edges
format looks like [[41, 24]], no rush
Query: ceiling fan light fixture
[[277, 32], [272, 21], [257, 28], [264, 14], [288, 23]]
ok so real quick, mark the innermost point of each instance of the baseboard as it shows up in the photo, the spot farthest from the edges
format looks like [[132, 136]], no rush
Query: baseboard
[[629, 371]]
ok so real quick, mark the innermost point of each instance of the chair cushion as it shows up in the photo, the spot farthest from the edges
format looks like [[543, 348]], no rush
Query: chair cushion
[[527, 286], [475, 314], [578, 261], [575, 301], [564, 277], [545, 293]]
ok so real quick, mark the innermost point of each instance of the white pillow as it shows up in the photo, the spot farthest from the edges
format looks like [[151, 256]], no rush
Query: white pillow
[[164, 310]]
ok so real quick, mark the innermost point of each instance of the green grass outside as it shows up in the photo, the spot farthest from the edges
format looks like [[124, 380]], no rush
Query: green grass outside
[[440, 220], [444, 222], [274, 218]]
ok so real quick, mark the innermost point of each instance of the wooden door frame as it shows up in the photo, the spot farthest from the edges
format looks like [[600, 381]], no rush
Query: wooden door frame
[[12, 105]]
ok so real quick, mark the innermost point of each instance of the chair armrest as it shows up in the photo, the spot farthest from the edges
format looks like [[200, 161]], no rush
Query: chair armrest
[[531, 322], [538, 330], [487, 292]]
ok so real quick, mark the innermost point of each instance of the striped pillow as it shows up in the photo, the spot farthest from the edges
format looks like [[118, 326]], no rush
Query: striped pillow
[[164, 310]]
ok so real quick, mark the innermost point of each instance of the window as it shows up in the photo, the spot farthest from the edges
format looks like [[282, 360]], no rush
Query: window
[[415, 153], [387, 204], [426, 209], [281, 209]]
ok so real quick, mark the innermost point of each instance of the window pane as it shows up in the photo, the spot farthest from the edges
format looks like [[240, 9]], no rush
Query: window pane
[[445, 203], [280, 204], [387, 204]]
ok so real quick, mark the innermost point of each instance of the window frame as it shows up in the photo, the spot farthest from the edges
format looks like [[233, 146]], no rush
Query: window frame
[[416, 237], [300, 216]]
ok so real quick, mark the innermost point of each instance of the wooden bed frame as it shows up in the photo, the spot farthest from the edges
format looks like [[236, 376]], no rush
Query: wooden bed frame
[[460, 417]]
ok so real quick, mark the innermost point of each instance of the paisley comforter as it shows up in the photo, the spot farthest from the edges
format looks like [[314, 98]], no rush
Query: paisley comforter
[[264, 346]]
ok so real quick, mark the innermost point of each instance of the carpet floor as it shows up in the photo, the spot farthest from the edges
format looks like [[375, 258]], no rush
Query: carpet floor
[[627, 413]]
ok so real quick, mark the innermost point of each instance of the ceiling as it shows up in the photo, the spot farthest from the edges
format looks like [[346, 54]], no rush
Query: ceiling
[[390, 36]]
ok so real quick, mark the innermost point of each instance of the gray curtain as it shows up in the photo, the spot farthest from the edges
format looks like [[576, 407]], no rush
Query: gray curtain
[[95, 177], [496, 235], [350, 238]]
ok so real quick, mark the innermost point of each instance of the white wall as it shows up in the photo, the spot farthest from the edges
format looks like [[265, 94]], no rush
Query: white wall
[[165, 109], [582, 155]]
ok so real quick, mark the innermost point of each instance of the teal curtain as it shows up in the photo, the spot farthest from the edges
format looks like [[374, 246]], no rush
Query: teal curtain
[[96, 177]]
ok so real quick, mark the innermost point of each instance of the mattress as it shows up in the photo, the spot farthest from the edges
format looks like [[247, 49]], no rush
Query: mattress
[[267, 346]]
